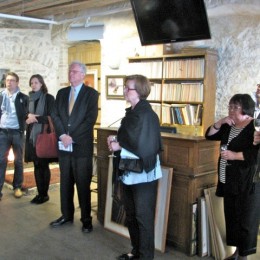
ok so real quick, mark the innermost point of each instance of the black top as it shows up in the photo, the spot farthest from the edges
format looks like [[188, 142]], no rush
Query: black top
[[239, 173]]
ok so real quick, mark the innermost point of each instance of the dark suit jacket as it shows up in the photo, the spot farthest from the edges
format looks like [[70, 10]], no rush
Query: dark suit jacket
[[21, 106], [79, 125]]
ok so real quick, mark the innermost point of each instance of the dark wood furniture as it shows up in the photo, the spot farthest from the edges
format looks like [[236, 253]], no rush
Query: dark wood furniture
[[194, 163]]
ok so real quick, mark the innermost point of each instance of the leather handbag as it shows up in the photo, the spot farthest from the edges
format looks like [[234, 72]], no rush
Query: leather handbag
[[47, 143], [132, 165]]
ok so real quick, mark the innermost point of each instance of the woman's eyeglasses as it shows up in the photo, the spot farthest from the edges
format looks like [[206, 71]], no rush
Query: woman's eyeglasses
[[128, 89], [234, 108]]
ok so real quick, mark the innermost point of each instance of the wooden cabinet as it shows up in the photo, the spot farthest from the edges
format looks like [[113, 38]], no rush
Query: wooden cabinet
[[194, 163], [181, 84]]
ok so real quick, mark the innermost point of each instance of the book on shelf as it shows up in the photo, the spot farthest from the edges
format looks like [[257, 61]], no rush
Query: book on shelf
[[157, 109], [155, 93], [184, 114], [177, 117], [166, 114], [198, 114], [151, 69]]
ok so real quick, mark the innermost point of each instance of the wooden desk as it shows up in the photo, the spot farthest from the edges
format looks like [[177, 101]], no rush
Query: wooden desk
[[194, 163]]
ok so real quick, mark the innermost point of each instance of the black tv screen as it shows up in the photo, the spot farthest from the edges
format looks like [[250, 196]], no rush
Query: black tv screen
[[165, 21]]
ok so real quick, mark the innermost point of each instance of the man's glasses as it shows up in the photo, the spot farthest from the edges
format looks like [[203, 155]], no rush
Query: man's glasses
[[10, 80]]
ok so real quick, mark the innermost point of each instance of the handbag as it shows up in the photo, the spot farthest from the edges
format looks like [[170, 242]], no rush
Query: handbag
[[132, 165], [46, 142]]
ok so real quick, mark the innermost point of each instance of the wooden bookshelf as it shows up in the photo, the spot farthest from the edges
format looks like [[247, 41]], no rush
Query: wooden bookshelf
[[181, 84]]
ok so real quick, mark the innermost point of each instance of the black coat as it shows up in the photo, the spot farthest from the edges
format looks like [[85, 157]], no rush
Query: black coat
[[79, 124], [30, 153]]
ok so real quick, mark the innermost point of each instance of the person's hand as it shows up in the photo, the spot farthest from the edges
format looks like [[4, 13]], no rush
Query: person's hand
[[66, 140], [114, 146], [227, 120], [228, 155], [256, 137], [112, 143], [31, 118]]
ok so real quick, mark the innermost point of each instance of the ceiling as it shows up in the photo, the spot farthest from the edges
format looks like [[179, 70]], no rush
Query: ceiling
[[61, 11], [81, 11]]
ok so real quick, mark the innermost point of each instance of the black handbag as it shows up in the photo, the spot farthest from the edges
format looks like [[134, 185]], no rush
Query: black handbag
[[132, 165]]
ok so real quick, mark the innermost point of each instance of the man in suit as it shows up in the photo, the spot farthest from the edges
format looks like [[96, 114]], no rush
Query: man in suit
[[13, 112], [76, 109]]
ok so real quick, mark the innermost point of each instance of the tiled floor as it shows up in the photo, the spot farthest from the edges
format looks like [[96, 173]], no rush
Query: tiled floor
[[25, 233]]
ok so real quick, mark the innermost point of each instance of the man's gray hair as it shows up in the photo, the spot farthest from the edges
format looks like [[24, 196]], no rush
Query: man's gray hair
[[80, 64]]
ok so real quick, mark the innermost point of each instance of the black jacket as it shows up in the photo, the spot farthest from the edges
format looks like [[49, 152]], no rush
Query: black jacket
[[140, 134], [21, 106], [240, 174]]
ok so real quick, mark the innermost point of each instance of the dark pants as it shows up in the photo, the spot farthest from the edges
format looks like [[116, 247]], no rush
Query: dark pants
[[11, 138], [140, 203], [42, 176], [75, 171], [242, 214]]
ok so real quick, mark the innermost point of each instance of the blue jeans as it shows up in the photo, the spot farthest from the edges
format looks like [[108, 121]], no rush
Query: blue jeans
[[11, 138]]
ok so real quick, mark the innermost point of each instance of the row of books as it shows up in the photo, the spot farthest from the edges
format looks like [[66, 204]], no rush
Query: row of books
[[148, 69], [184, 68], [183, 114], [155, 93], [177, 92], [192, 92]]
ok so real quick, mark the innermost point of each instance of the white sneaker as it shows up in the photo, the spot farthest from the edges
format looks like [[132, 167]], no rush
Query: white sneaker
[[18, 193]]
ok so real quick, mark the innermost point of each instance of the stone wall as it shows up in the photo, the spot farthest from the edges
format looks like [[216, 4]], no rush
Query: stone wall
[[29, 52], [235, 37]]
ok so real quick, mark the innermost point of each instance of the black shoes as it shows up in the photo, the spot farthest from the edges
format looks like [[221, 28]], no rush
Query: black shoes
[[60, 222], [87, 227], [127, 256], [35, 199], [39, 199]]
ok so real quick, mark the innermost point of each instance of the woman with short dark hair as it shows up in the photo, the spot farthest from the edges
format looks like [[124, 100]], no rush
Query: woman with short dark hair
[[236, 174]]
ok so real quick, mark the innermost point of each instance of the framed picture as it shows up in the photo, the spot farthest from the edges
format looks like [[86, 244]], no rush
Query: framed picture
[[115, 87], [91, 79], [2, 77], [115, 215]]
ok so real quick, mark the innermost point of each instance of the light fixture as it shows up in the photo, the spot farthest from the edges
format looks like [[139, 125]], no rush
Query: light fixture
[[29, 19]]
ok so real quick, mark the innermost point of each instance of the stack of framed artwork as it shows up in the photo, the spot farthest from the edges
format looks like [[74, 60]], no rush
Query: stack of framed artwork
[[115, 222]]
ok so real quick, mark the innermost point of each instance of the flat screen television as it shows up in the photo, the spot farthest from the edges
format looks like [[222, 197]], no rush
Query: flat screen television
[[166, 21]]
